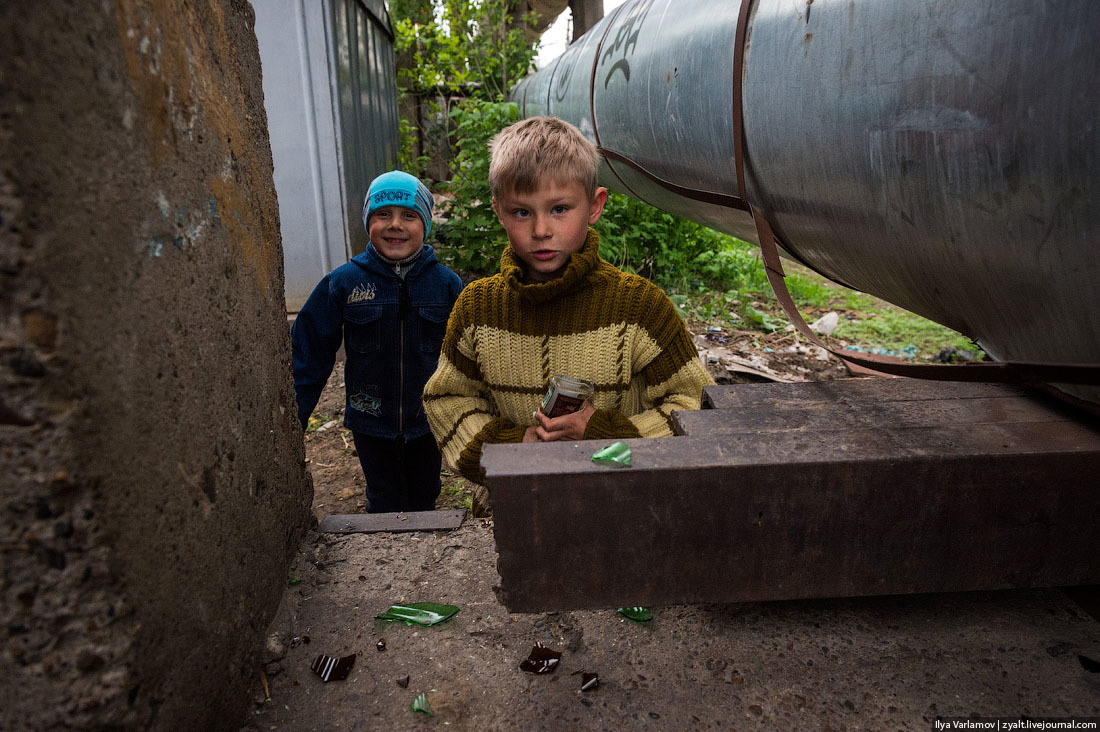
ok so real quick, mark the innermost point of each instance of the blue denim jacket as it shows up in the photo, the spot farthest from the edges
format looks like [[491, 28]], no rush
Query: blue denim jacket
[[392, 330]]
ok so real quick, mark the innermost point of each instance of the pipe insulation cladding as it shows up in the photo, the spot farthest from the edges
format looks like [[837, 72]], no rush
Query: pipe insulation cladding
[[942, 156]]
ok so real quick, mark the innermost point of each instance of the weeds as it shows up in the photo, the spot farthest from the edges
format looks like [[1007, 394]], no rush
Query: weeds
[[456, 493]]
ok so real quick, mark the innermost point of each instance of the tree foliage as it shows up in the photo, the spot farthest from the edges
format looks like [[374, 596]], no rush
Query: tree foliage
[[449, 51], [473, 49], [473, 237]]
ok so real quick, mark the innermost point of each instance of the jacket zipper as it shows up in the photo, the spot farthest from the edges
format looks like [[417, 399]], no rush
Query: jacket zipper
[[402, 311]]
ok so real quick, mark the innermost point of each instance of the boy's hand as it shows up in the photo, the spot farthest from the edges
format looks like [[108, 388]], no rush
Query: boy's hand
[[565, 427], [529, 435]]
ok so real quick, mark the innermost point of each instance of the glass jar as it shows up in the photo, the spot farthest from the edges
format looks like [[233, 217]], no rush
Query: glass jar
[[565, 395]]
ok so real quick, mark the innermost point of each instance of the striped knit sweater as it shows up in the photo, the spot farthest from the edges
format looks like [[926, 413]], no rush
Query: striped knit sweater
[[505, 339]]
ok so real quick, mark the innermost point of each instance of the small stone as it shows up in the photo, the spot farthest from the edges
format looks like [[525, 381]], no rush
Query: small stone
[[88, 661], [274, 647], [40, 329]]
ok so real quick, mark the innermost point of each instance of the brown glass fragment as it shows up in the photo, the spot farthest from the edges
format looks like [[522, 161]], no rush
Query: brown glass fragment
[[403, 681], [542, 660], [381, 645], [330, 668], [588, 681]]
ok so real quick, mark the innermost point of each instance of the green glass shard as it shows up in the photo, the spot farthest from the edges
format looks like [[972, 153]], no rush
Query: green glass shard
[[418, 613], [420, 704], [639, 614], [616, 455]]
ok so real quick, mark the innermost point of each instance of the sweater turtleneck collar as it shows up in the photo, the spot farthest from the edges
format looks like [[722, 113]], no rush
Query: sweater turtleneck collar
[[581, 264]]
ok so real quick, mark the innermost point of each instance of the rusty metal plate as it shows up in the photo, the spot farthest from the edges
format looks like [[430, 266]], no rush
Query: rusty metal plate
[[367, 523]]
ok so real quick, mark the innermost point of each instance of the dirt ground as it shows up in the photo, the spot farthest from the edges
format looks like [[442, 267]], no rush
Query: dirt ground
[[855, 664]]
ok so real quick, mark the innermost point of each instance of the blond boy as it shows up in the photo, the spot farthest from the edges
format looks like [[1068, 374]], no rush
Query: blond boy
[[556, 307]]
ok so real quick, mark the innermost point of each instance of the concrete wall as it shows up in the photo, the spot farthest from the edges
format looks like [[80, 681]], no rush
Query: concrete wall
[[152, 477]]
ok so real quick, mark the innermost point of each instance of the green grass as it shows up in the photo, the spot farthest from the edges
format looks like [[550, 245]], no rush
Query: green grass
[[456, 493], [731, 291], [884, 326]]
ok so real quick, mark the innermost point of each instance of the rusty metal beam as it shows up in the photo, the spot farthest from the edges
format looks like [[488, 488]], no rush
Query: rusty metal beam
[[858, 391], [785, 514], [842, 408]]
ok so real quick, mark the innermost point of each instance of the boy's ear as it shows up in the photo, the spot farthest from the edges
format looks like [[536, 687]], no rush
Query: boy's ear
[[598, 201], [496, 210]]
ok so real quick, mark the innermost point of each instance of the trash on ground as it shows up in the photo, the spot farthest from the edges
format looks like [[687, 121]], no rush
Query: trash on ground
[[617, 455], [637, 614], [542, 660], [403, 681], [826, 324], [909, 351], [420, 704], [419, 613], [381, 644], [955, 355], [1089, 665], [330, 668], [589, 681]]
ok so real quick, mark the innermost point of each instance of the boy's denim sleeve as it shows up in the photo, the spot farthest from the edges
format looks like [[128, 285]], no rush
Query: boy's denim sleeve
[[315, 339]]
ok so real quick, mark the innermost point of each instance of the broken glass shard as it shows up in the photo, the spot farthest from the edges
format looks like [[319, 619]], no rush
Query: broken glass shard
[[420, 613], [381, 644], [638, 614], [542, 660], [420, 704], [330, 668], [616, 455], [403, 681], [588, 681]]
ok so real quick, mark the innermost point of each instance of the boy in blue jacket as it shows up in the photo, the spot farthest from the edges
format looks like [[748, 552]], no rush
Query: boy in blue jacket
[[389, 305]]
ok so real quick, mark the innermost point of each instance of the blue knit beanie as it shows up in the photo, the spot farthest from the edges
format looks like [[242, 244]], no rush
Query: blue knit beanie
[[397, 188]]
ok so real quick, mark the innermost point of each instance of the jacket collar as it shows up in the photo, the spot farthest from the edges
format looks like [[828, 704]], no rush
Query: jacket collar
[[371, 261], [581, 264]]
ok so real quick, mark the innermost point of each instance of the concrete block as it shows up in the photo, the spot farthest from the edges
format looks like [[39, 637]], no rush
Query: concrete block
[[153, 484]]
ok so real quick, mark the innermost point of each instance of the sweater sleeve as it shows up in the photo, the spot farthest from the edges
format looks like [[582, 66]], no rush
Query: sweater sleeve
[[315, 338], [674, 377], [457, 402]]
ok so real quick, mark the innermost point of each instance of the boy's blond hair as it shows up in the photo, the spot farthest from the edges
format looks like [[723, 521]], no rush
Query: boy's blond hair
[[538, 150]]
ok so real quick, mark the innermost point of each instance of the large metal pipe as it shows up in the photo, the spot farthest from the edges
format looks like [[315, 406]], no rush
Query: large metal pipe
[[941, 155]]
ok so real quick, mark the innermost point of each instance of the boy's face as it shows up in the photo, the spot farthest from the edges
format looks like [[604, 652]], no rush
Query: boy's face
[[546, 226], [395, 231]]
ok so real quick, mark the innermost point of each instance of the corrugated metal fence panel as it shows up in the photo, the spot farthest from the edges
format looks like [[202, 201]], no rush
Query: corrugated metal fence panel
[[298, 100], [366, 102]]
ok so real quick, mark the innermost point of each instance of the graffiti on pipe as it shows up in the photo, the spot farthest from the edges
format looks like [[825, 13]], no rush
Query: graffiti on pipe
[[625, 41]]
